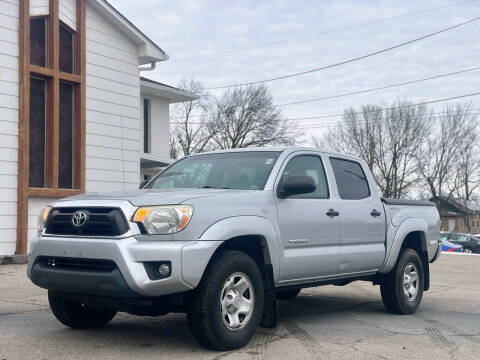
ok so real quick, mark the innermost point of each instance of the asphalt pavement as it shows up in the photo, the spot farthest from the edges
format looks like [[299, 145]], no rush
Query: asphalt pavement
[[327, 322]]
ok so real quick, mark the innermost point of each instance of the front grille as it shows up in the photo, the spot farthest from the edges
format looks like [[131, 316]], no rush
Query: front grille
[[64, 263], [101, 221]]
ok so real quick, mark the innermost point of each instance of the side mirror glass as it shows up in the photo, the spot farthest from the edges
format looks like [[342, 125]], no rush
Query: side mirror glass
[[298, 184]]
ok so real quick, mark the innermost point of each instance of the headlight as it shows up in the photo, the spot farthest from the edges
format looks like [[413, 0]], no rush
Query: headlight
[[164, 219], [42, 218]]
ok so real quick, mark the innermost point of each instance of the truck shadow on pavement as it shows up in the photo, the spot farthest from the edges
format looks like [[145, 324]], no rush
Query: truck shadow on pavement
[[172, 331]]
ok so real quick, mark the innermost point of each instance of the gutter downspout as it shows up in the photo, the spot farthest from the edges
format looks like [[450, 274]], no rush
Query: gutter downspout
[[152, 67]]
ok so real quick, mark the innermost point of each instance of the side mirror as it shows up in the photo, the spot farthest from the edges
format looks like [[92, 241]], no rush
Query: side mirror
[[142, 184], [298, 184]]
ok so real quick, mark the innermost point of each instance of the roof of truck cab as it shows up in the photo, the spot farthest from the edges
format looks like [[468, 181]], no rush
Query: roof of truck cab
[[289, 149]]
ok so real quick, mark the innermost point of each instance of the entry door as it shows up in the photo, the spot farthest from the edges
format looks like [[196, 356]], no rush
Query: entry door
[[451, 224], [363, 219], [310, 237]]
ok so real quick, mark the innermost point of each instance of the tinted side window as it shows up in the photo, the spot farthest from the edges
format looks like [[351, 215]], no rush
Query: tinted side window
[[313, 167], [351, 180]]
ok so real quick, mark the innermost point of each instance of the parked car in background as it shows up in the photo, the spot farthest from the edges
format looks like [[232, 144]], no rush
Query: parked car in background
[[467, 242], [475, 243], [451, 247]]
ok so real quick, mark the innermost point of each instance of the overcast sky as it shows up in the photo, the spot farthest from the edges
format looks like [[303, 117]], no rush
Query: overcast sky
[[206, 40]]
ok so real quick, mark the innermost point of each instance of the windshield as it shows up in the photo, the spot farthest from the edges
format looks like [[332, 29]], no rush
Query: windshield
[[232, 170]]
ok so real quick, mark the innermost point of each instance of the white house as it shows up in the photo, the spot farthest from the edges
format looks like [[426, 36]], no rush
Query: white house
[[155, 100], [75, 115]]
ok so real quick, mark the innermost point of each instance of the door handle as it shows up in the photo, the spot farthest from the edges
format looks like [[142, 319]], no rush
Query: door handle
[[375, 213], [332, 213]]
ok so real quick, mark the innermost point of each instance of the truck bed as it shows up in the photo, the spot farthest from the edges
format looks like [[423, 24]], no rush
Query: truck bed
[[408, 202]]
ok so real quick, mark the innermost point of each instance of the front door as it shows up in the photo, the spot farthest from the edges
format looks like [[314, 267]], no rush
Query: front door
[[310, 237], [363, 219]]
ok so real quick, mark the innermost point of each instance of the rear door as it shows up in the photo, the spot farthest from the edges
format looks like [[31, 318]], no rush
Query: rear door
[[362, 245], [310, 237]]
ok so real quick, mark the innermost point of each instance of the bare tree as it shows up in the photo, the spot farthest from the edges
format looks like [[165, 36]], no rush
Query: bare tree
[[399, 136], [245, 116], [387, 140], [191, 133], [354, 134], [442, 153], [174, 147], [468, 171]]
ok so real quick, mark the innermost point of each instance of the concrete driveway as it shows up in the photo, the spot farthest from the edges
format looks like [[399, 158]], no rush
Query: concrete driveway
[[329, 322]]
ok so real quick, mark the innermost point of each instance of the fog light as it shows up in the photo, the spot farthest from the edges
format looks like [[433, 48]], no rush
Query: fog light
[[157, 270], [164, 270]]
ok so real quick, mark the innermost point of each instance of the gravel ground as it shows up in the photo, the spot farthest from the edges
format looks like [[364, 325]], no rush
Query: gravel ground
[[328, 322]]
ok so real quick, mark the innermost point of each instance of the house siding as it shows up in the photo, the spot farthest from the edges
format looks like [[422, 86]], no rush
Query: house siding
[[67, 12], [8, 124], [38, 7], [112, 107], [35, 205], [459, 224]]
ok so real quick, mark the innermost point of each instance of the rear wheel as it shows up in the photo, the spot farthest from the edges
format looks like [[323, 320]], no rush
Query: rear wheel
[[77, 315], [402, 288], [288, 294], [225, 309]]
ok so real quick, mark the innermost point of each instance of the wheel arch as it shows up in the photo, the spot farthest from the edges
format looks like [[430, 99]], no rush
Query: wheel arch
[[411, 234], [253, 235], [415, 240]]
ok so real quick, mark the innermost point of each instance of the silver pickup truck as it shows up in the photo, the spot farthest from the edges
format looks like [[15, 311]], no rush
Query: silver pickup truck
[[221, 236]]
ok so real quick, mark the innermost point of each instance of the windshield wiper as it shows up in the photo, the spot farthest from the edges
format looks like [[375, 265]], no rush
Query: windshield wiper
[[213, 187]]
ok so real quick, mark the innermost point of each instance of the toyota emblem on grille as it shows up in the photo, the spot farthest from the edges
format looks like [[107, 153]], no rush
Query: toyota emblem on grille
[[79, 218]]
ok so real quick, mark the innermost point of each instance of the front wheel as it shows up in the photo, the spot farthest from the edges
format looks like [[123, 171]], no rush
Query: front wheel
[[77, 315], [225, 309], [402, 288]]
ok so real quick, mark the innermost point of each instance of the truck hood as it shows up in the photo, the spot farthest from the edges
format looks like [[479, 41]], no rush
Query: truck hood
[[151, 197]]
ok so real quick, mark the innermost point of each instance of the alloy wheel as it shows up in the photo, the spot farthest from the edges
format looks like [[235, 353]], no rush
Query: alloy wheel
[[237, 301]]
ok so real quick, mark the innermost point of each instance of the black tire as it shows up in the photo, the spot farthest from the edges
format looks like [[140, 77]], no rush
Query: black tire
[[288, 294], [392, 288], [76, 315], [203, 304]]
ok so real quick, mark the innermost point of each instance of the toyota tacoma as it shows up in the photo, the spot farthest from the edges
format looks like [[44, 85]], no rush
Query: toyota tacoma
[[221, 236]]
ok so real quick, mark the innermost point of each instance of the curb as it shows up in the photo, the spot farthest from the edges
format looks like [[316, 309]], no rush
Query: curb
[[13, 259], [458, 253]]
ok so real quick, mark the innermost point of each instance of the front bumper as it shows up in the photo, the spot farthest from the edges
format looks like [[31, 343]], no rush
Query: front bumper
[[188, 262]]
